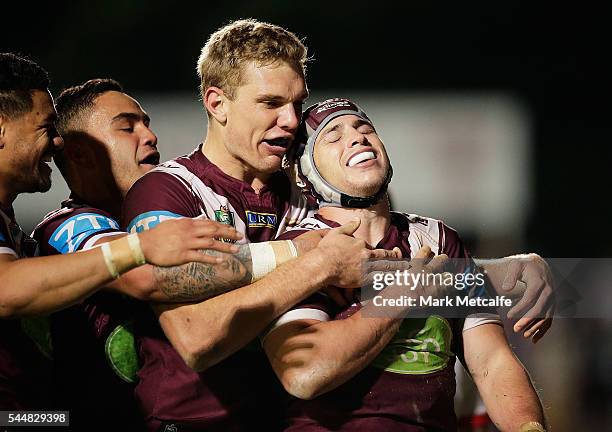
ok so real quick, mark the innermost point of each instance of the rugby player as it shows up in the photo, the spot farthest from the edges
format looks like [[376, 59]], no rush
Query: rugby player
[[108, 145], [252, 86], [352, 372], [28, 140]]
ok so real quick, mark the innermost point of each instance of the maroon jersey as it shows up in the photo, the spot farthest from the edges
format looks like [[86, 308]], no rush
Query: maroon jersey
[[25, 366], [98, 399], [411, 384], [232, 395]]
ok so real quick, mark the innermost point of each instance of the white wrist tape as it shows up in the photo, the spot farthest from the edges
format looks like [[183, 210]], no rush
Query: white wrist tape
[[266, 256], [108, 260]]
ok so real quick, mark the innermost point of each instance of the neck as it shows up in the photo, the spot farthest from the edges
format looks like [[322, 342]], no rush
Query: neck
[[7, 196], [375, 220], [105, 197], [215, 151]]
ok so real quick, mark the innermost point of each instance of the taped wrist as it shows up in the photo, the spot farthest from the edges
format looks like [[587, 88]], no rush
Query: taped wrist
[[266, 256], [123, 254]]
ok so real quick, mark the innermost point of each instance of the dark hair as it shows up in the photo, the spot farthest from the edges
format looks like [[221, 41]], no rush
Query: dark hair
[[74, 100], [18, 77]]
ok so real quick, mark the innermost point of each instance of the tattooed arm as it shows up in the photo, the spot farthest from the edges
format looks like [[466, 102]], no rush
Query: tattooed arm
[[198, 281]]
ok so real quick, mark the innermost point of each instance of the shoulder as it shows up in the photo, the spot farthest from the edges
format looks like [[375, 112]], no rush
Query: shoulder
[[426, 231], [73, 228], [163, 193]]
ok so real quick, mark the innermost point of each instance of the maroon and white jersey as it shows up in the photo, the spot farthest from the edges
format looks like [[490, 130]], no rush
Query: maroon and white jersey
[[84, 380], [25, 366], [231, 395], [411, 384]]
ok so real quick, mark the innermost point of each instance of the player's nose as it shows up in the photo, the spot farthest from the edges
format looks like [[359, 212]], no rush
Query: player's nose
[[288, 118]]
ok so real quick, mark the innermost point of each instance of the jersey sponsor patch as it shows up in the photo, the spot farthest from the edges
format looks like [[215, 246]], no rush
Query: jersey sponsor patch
[[148, 220], [225, 216], [260, 220], [421, 346], [73, 231]]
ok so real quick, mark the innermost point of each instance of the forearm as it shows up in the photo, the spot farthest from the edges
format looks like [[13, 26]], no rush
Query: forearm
[[508, 393], [338, 351], [46, 284], [207, 332], [502, 381], [198, 281]]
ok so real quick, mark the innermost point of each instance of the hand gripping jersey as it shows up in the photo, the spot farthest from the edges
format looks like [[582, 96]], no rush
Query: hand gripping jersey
[[25, 363], [411, 384], [89, 377], [234, 394]]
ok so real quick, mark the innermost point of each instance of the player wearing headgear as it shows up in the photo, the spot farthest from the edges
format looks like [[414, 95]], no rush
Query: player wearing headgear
[[350, 371], [253, 88], [28, 140]]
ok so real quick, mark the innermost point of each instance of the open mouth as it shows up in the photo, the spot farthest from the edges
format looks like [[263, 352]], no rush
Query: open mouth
[[152, 159], [279, 142], [360, 158]]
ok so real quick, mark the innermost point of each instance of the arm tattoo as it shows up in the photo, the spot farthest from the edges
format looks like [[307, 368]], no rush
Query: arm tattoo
[[199, 281]]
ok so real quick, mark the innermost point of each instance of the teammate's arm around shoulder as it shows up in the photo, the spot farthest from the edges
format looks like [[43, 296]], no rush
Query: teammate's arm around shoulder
[[207, 332], [43, 285]]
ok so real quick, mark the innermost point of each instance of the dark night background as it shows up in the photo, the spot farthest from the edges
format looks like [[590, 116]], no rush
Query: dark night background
[[551, 57]]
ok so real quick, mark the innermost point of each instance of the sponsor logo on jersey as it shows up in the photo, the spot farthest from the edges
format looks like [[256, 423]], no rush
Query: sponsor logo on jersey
[[148, 220], [224, 216], [74, 230], [421, 346], [261, 220]]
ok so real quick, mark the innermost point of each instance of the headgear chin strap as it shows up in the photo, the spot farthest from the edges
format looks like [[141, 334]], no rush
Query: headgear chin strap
[[315, 118]]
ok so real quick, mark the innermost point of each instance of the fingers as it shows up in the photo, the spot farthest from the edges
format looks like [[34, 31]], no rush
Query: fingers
[[212, 244], [529, 298], [201, 257], [542, 330], [423, 253], [541, 309], [382, 254], [438, 263], [348, 228], [513, 273], [538, 329], [208, 228]]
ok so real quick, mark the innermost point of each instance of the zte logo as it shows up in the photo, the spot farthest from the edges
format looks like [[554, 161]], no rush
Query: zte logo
[[70, 234], [261, 220], [150, 219]]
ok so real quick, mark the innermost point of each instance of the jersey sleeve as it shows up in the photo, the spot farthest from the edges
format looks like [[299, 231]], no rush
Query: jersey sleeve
[[75, 230], [156, 197], [463, 264], [5, 246]]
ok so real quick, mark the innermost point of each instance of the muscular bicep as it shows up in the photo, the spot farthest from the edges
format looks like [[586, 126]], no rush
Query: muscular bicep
[[482, 345]]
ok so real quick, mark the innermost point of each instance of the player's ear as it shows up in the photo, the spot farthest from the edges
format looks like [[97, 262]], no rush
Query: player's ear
[[215, 103]]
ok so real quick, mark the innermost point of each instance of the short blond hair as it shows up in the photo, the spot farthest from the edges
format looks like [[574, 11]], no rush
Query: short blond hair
[[227, 50]]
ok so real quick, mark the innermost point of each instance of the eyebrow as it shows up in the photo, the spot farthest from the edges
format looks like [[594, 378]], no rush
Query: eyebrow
[[336, 128], [360, 122], [131, 116], [277, 98]]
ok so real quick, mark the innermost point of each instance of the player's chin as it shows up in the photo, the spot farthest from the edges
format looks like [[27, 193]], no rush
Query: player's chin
[[270, 164]]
